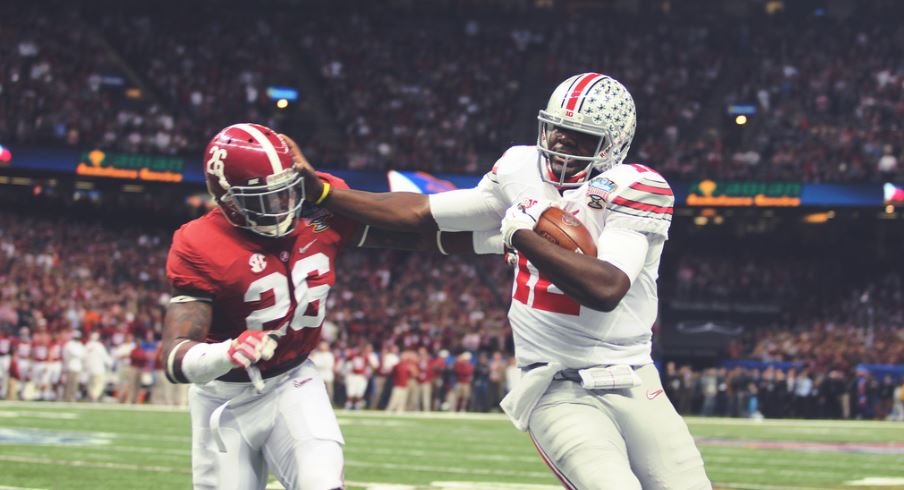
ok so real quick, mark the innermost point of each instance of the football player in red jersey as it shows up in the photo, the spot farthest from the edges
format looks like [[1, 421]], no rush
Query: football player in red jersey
[[250, 281]]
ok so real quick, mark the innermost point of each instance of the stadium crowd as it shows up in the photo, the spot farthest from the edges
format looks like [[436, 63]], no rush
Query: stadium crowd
[[81, 310], [790, 392], [443, 91]]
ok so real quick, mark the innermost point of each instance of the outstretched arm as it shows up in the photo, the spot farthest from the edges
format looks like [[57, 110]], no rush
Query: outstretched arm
[[403, 211], [400, 211], [446, 243]]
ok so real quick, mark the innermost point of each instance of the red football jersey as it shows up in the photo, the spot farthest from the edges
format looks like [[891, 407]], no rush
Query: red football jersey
[[22, 348], [55, 352], [6, 344], [40, 347], [263, 283]]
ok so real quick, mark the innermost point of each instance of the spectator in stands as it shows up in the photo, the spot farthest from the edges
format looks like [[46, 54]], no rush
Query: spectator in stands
[[437, 368], [73, 363], [803, 393], [460, 398], [98, 364], [6, 350], [402, 374], [496, 379], [425, 378], [709, 388], [389, 358], [480, 384]]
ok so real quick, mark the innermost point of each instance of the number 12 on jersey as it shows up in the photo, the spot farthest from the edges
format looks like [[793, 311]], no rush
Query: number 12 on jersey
[[538, 292]]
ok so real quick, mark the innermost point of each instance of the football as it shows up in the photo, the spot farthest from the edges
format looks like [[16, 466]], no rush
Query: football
[[565, 231]]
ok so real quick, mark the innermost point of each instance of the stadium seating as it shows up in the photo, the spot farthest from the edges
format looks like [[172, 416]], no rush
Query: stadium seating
[[447, 92]]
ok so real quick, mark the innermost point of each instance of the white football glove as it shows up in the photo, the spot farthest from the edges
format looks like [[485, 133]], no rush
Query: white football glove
[[522, 216]]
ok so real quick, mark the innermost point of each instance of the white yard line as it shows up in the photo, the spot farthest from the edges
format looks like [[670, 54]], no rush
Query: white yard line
[[692, 420], [834, 424], [878, 481], [12, 458], [782, 460], [446, 469], [755, 486], [437, 485], [53, 415], [717, 462], [92, 406]]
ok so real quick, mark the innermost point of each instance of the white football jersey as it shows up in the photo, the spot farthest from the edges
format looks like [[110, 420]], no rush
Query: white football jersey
[[548, 325]]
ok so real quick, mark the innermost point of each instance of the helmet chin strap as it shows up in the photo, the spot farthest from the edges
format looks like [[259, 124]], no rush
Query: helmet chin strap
[[561, 179], [275, 231]]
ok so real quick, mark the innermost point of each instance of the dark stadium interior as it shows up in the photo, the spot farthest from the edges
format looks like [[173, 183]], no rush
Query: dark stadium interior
[[745, 293]]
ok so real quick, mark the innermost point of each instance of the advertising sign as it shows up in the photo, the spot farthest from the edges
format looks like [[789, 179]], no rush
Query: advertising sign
[[744, 193], [96, 163]]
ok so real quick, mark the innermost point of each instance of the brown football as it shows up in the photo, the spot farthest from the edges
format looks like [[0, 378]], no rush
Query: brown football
[[566, 231]]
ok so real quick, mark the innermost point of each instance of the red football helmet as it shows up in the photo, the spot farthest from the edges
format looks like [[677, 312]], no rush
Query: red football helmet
[[251, 175]]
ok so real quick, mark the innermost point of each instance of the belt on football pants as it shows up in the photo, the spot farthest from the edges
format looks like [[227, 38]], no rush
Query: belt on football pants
[[241, 376], [567, 375], [563, 375], [599, 377]]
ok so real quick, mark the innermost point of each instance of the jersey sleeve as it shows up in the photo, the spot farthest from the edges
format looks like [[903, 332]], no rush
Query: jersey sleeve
[[347, 228], [482, 207], [645, 205], [474, 209], [186, 269]]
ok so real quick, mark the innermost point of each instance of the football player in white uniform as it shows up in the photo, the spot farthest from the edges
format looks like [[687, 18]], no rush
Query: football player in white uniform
[[590, 397]]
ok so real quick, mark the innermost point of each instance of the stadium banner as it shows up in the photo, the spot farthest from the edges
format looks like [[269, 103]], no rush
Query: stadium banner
[[896, 371], [134, 166], [718, 193], [702, 193], [97, 163]]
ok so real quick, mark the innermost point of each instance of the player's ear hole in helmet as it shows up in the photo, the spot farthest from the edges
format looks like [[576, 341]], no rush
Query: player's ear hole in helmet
[[251, 175]]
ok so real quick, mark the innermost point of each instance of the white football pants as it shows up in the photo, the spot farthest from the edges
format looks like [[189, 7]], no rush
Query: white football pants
[[290, 429], [628, 439]]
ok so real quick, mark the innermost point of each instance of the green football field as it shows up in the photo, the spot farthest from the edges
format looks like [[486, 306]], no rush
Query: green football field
[[74, 446]]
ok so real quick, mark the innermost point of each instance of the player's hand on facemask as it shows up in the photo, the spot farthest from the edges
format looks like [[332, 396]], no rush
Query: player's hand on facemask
[[313, 185], [250, 347], [523, 215]]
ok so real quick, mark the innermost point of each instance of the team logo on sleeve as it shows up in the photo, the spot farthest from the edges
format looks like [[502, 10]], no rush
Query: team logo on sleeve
[[598, 190], [320, 224], [318, 220], [258, 263]]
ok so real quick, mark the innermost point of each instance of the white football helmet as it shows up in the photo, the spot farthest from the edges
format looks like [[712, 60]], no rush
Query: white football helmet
[[594, 104]]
